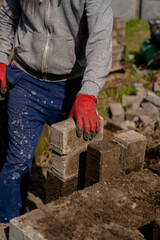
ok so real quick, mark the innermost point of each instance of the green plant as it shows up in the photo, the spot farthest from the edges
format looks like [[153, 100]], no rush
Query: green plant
[[126, 90]]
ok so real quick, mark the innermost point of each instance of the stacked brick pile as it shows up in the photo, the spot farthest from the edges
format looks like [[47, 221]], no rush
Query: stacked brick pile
[[142, 109], [118, 42], [68, 158]]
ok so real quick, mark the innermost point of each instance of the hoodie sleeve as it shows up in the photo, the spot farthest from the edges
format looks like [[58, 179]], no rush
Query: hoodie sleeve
[[99, 45], [9, 17]]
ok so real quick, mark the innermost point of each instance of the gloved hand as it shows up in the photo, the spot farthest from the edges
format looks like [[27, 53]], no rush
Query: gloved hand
[[3, 77], [85, 116]]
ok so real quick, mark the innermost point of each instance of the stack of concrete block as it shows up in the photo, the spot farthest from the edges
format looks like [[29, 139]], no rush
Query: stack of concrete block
[[136, 110], [69, 153], [118, 42], [108, 159]]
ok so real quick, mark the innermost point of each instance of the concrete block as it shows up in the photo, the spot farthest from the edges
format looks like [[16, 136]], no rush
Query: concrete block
[[133, 146], [153, 98], [156, 87], [114, 126], [153, 111], [128, 125], [145, 119], [103, 161], [131, 114], [67, 166], [57, 187], [131, 101], [19, 231], [64, 139], [117, 112]]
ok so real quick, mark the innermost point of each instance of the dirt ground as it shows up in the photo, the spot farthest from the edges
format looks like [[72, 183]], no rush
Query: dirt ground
[[37, 192]]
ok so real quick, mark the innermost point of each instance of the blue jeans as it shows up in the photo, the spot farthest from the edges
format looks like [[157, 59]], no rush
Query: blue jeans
[[31, 103]]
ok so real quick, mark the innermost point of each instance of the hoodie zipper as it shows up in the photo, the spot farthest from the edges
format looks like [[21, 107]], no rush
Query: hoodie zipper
[[45, 53]]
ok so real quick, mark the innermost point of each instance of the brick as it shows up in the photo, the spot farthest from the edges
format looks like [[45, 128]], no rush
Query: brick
[[64, 139], [131, 101], [118, 23], [114, 126], [57, 187], [117, 112], [145, 119], [133, 146], [118, 56], [156, 87], [103, 161], [131, 114], [28, 231], [153, 98], [153, 111], [67, 166]]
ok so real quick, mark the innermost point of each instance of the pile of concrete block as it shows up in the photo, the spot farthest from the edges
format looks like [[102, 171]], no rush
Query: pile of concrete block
[[136, 111], [68, 159], [118, 43]]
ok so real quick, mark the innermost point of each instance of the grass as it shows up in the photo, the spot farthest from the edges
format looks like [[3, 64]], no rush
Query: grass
[[136, 31]]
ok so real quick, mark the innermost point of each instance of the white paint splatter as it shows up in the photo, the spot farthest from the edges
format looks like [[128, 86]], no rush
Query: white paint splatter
[[16, 175], [33, 93]]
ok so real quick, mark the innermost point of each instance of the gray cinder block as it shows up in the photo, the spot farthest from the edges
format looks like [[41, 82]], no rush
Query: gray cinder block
[[133, 146], [64, 139], [103, 161]]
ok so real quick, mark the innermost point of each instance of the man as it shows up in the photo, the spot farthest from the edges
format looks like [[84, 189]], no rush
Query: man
[[62, 54]]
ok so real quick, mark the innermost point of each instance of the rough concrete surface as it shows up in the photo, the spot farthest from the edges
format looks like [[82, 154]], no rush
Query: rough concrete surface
[[64, 139], [133, 147], [113, 210], [68, 165], [103, 161]]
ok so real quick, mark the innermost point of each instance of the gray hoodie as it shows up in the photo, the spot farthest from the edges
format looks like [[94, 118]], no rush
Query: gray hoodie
[[57, 40]]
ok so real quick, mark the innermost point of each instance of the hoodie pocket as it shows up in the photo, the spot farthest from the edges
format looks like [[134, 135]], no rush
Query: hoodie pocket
[[61, 55], [30, 49]]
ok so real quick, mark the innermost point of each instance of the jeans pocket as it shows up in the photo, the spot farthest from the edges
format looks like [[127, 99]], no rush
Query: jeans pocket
[[13, 74]]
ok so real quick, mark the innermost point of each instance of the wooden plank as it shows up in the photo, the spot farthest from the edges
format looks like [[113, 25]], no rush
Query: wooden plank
[[120, 67]]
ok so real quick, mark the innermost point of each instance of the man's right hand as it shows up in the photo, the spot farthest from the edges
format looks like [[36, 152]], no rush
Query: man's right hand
[[3, 77]]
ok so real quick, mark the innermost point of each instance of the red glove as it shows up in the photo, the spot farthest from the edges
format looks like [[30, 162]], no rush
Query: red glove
[[85, 116], [3, 77]]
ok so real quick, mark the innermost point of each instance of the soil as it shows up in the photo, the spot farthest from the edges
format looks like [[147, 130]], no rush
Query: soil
[[37, 192]]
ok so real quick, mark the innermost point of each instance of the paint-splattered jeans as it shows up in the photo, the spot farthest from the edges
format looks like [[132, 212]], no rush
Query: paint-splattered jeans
[[31, 103]]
